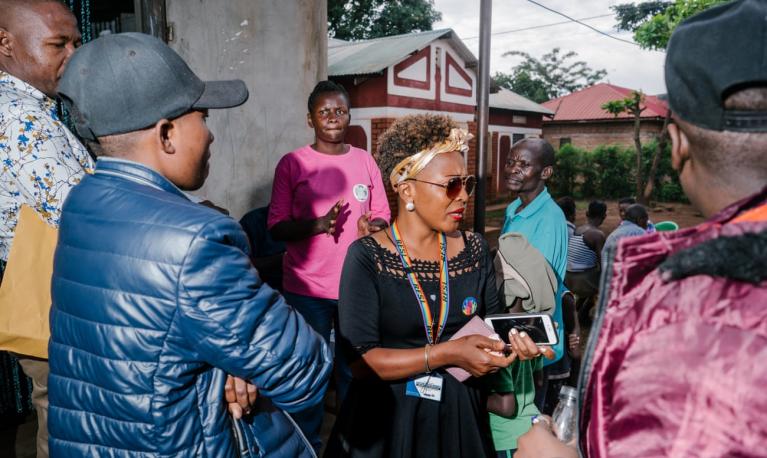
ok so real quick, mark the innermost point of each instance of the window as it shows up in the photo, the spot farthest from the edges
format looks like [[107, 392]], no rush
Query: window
[[519, 119], [517, 137], [114, 17], [564, 141]]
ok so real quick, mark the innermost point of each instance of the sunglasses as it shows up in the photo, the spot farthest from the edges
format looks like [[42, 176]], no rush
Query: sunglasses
[[454, 185]]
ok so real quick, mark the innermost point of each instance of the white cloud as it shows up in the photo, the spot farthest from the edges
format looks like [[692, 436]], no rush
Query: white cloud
[[627, 65]]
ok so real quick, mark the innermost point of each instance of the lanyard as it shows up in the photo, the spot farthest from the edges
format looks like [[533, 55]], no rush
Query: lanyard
[[432, 334]]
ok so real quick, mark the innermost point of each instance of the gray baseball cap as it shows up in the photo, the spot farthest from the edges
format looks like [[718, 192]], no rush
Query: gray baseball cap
[[128, 81]]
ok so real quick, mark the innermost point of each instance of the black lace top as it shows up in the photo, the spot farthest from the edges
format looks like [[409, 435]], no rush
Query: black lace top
[[378, 308]]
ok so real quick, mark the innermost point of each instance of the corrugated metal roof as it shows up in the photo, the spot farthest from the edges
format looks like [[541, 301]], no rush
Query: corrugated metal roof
[[586, 104], [510, 100], [373, 56]]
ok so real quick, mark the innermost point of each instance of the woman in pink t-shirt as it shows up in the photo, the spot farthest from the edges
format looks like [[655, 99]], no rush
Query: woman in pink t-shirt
[[325, 196]]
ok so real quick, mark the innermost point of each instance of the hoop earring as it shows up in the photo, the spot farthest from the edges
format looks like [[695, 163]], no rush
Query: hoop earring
[[410, 206]]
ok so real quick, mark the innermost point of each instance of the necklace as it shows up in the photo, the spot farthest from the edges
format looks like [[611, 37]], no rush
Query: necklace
[[433, 328]]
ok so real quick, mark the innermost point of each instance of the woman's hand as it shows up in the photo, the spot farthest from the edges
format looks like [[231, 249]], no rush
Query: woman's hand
[[524, 347], [540, 442], [327, 223], [366, 226], [473, 354]]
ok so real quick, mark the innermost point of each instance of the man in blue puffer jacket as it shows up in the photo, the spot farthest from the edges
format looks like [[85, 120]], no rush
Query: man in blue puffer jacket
[[154, 296]]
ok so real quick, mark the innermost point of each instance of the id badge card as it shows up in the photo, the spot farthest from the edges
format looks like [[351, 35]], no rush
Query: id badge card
[[426, 387]]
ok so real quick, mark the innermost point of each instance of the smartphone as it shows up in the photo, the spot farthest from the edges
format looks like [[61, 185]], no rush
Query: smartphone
[[538, 326]]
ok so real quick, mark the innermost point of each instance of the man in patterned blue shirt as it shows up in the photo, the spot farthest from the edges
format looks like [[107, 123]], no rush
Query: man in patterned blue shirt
[[40, 160]]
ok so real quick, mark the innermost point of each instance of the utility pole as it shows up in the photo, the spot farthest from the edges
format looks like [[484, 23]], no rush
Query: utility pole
[[483, 112]]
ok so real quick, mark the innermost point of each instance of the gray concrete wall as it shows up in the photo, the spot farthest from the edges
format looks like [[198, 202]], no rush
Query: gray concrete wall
[[279, 48]]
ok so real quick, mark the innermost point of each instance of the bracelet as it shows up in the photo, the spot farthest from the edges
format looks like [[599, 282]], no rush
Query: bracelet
[[426, 350]]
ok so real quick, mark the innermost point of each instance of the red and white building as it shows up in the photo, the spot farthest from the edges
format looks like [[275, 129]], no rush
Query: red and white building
[[426, 72], [580, 120]]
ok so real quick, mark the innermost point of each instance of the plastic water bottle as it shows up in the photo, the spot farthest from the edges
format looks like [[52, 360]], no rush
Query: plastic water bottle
[[565, 415]]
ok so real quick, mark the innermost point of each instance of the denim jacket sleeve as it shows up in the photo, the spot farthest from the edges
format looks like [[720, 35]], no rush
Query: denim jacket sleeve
[[234, 321]]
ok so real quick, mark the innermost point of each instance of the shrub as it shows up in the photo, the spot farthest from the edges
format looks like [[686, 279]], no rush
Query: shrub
[[608, 172], [568, 169]]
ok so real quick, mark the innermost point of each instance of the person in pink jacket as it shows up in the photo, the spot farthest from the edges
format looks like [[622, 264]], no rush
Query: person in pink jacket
[[675, 367]]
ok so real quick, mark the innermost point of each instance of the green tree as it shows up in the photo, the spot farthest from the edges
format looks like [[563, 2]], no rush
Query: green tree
[[653, 21], [365, 19], [630, 15], [634, 106], [523, 84], [553, 75]]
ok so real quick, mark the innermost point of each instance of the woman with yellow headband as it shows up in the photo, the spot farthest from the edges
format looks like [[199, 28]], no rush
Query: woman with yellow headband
[[404, 292]]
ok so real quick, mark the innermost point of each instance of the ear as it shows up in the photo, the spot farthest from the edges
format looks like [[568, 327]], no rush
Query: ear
[[309, 120], [406, 191], [6, 43], [547, 172], [164, 132], [680, 147]]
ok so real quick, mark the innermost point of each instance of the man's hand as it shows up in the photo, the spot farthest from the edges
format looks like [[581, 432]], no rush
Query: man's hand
[[574, 345], [540, 442], [240, 395]]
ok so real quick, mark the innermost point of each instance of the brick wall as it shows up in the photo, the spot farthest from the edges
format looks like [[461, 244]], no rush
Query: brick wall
[[592, 134], [377, 127]]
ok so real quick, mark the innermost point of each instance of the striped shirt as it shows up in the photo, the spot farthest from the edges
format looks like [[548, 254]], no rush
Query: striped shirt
[[579, 256]]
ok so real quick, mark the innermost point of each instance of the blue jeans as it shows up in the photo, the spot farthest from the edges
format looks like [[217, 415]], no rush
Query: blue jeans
[[322, 316]]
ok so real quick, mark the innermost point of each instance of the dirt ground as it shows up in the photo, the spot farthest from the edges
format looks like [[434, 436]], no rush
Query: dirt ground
[[683, 214]]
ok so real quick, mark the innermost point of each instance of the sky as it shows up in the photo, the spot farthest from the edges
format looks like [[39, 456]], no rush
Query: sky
[[627, 65]]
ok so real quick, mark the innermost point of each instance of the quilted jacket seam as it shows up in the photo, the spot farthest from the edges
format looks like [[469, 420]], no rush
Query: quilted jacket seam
[[119, 255], [95, 355], [83, 411], [121, 326], [163, 350], [101, 388], [132, 222], [88, 444], [173, 321], [179, 286], [160, 197]]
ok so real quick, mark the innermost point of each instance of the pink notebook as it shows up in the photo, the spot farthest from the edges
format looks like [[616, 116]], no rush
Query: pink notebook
[[475, 326]]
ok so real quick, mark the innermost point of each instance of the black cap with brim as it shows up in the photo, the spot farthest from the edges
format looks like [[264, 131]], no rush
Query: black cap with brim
[[222, 94], [128, 81], [713, 54]]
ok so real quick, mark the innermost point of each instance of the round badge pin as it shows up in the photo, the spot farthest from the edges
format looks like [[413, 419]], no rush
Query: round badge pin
[[469, 306], [361, 192]]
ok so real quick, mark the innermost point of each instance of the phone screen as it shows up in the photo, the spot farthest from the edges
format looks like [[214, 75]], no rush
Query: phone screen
[[533, 326]]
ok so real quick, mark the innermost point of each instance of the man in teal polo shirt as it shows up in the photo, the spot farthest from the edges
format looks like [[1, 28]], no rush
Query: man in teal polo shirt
[[537, 216], [534, 213]]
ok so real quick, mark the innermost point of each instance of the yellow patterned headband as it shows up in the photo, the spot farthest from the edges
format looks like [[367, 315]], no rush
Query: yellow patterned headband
[[458, 140]]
